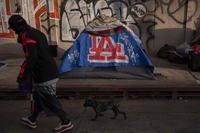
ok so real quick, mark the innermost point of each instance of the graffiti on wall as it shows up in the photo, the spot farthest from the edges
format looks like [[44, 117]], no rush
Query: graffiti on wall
[[76, 14], [43, 17], [163, 11], [142, 16], [40, 9], [34, 11], [5, 11], [173, 8]]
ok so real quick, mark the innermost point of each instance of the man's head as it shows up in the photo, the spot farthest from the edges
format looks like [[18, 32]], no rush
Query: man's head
[[17, 23]]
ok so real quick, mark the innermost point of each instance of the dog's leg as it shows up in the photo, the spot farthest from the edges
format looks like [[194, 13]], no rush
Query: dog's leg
[[120, 112], [124, 114], [96, 114], [114, 109]]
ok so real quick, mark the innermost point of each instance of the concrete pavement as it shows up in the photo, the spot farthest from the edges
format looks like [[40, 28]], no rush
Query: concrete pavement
[[174, 77], [144, 116]]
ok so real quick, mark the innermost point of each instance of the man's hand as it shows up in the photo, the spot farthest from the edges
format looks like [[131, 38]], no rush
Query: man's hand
[[25, 84], [19, 79]]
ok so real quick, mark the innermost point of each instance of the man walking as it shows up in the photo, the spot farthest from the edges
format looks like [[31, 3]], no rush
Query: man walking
[[39, 65]]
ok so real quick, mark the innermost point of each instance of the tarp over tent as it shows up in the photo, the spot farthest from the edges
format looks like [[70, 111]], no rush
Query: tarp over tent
[[106, 46]]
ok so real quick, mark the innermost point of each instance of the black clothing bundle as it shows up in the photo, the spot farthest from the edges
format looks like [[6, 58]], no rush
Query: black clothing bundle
[[169, 52]]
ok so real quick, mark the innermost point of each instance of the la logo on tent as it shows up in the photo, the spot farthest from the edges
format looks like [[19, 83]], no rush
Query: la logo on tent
[[105, 50]]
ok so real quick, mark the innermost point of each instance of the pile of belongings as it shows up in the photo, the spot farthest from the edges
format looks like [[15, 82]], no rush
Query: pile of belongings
[[170, 53], [194, 56]]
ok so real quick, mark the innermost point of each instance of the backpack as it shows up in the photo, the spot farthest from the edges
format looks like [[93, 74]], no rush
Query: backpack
[[165, 51], [194, 61]]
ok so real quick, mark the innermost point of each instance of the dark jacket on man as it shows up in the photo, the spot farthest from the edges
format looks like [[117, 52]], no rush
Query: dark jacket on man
[[39, 61]]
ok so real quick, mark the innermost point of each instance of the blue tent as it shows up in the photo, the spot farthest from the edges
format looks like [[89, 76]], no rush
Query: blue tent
[[116, 47]]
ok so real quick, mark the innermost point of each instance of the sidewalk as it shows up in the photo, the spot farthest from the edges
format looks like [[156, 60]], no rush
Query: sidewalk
[[143, 116], [174, 77]]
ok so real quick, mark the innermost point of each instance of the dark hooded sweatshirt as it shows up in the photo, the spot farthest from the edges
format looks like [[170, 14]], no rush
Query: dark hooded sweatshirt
[[38, 61]]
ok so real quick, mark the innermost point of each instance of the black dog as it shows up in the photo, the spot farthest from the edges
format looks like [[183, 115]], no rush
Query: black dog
[[101, 106]]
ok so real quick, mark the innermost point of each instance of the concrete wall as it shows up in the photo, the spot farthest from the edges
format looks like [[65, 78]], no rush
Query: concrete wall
[[156, 22]]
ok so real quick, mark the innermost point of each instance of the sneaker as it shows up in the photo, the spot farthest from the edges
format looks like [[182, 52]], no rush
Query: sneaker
[[28, 123], [63, 127]]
